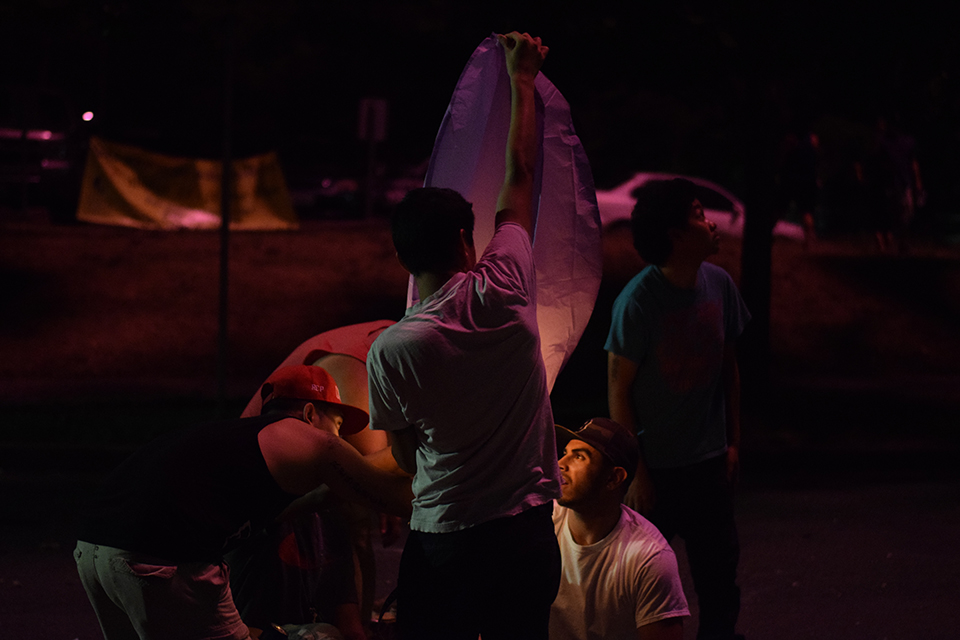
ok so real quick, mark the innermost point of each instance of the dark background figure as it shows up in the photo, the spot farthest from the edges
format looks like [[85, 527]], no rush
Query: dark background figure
[[799, 182], [893, 184]]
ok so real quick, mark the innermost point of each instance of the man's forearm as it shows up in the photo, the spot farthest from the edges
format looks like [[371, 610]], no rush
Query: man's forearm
[[347, 472], [515, 203], [522, 139]]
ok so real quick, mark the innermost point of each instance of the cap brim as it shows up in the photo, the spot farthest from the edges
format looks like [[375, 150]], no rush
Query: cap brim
[[354, 419], [564, 436]]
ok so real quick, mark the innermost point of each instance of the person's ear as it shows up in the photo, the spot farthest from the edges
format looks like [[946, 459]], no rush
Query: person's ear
[[618, 475], [309, 411]]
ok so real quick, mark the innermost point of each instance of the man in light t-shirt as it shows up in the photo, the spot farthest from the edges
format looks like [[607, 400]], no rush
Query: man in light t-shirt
[[619, 578], [460, 384]]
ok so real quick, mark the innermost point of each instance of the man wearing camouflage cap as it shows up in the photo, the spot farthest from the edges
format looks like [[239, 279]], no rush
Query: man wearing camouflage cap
[[619, 577]]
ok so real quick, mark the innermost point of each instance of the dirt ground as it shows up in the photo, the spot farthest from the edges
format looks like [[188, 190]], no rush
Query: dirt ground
[[86, 304], [119, 328]]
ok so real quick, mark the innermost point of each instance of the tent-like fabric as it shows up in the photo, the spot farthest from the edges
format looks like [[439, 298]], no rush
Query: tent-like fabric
[[127, 186]]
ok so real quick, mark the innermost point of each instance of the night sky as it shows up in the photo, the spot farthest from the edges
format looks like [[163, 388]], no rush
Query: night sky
[[658, 86]]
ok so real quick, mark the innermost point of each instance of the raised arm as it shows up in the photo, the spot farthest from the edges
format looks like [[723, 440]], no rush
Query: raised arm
[[525, 55]]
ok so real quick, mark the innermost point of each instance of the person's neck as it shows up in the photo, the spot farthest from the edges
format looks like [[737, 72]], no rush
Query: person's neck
[[681, 273], [591, 525], [429, 283]]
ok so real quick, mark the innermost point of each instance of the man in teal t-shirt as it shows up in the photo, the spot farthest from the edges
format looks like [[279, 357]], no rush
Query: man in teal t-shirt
[[673, 379]]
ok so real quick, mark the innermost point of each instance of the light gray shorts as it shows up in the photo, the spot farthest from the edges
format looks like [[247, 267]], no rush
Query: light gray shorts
[[139, 597]]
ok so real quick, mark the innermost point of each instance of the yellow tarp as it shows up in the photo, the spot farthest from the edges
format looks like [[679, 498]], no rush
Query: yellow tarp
[[124, 185]]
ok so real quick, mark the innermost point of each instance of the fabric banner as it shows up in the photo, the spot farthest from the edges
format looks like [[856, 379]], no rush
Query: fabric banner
[[469, 157], [127, 186]]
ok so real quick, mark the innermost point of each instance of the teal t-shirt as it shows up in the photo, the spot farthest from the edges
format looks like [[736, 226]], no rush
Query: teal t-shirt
[[677, 338]]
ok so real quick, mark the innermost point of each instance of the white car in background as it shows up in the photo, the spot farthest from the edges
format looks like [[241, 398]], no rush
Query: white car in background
[[719, 205]]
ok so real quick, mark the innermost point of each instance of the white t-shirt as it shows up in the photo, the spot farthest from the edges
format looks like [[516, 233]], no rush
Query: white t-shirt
[[610, 589], [464, 368]]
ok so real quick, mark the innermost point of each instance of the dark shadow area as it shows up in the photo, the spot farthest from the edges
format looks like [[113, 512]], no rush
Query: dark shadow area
[[30, 299]]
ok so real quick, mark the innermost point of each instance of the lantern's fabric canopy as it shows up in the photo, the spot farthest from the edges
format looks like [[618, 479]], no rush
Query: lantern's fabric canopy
[[128, 186], [469, 157]]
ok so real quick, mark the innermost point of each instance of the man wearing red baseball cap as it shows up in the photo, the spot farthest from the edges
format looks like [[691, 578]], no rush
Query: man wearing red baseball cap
[[271, 585], [297, 387], [152, 538]]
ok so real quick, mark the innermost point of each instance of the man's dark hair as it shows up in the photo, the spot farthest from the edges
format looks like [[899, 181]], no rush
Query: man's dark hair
[[661, 205], [287, 406], [293, 407], [426, 229]]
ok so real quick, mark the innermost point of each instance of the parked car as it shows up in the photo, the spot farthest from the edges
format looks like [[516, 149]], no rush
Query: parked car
[[719, 204], [41, 150]]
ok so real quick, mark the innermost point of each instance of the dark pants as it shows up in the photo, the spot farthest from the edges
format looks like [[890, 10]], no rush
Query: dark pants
[[497, 579], [696, 503]]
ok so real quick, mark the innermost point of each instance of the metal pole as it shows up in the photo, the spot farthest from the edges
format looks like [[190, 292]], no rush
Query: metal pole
[[226, 184]]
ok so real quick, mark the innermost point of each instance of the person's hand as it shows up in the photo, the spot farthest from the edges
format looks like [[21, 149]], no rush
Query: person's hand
[[733, 464], [641, 496], [525, 54]]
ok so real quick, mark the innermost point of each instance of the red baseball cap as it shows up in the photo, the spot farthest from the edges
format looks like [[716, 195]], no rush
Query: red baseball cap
[[308, 382]]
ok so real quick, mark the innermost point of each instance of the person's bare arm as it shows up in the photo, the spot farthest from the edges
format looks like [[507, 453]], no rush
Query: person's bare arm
[[301, 458], [621, 372], [524, 55], [731, 389], [390, 525], [669, 629]]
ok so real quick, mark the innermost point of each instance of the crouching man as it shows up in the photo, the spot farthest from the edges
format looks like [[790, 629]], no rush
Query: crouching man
[[152, 539], [619, 577]]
